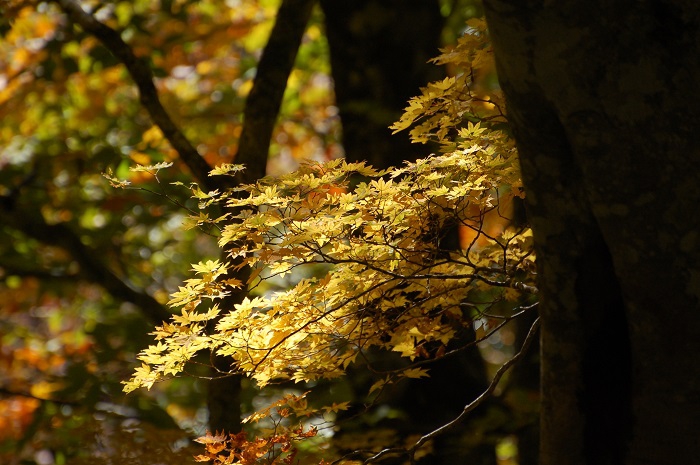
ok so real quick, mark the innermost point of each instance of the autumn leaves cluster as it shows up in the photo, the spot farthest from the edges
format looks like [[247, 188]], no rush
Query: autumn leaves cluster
[[367, 252]]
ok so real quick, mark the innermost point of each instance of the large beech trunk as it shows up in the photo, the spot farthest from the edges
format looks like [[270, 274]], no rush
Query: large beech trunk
[[604, 102]]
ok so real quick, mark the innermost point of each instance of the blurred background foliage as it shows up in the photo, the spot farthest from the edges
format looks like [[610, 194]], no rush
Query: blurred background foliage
[[85, 269]]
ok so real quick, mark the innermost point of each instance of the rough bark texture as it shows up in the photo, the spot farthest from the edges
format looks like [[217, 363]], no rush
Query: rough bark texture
[[379, 59], [605, 106]]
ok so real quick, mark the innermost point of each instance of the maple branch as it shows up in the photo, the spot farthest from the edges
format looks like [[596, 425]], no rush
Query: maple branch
[[467, 409], [265, 98], [143, 77], [91, 267]]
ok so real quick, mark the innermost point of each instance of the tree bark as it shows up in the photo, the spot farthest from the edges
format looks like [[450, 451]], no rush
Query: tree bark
[[265, 99], [605, 108], [379, 60]]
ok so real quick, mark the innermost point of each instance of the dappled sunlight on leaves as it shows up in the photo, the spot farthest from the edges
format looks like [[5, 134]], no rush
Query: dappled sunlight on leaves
[[392, 285]]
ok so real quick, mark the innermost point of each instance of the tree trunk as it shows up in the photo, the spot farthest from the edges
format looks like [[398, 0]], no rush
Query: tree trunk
[[604, 102], [261, 111], [379, 60]]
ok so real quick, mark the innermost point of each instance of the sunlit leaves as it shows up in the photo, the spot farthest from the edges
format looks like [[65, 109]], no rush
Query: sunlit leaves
[[151, 168], [226, 169], [392, 285], [70, 111], [446, 106], [391, 278], [114, 181]]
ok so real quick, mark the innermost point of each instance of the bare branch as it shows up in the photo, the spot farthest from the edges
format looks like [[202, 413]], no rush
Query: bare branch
[[467, 409], [148, 94]]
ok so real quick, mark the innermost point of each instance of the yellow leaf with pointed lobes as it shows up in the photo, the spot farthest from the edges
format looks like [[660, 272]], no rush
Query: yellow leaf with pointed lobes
[[416, 373]]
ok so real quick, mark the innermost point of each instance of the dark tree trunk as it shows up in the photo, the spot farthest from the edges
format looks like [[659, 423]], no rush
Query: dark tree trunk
[[261, 111], [605, 106], [379, 59]]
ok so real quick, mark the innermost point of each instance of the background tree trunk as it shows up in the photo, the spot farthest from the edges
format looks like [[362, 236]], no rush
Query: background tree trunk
[[261, 112], [379, 60], [605, 108]]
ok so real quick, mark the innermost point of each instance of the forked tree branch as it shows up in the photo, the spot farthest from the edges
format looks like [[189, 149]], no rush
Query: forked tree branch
[[148, 94]]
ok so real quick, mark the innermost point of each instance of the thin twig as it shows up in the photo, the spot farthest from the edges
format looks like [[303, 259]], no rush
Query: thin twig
[[467, 409]]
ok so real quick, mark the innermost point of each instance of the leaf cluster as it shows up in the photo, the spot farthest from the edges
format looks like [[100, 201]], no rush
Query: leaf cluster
[[470, 95], [392, 284], [276, 447], [370, 254]]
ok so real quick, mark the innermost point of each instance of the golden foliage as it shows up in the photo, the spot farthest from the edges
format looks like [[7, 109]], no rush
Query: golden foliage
[[391, 281]]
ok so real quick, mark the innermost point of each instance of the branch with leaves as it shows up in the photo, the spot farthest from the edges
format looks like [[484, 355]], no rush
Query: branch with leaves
[[366, 253], [392, 284]]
